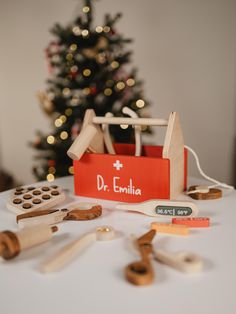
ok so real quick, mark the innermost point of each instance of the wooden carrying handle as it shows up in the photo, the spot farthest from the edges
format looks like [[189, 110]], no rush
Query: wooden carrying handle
[[130, 121]]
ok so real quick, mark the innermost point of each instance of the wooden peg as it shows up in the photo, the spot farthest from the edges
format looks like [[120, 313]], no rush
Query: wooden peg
[[11, 244], [211, 195], [195, 222], [161, 227]]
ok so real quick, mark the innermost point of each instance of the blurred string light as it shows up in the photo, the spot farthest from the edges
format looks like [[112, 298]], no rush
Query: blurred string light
[[86, 72], [140, 103], [99, 29], [106, 29], [64, 135], [73, 47], [58, 123], [66, 91], [120, 85], [51, 139], [71, 170], [86, 91], [76, 30], [130, 82], [69, 57], [85, 33], [74, 101], [86, 9], [107, 92], [115, 64], [74, 69], [124, 126], [63, 118], [50, 177], [68, 112]]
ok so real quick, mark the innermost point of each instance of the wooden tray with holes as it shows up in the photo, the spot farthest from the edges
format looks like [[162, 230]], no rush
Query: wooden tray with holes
[[25, 199]]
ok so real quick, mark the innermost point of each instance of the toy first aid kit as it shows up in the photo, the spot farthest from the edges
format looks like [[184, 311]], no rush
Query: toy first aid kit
[[160, 172]]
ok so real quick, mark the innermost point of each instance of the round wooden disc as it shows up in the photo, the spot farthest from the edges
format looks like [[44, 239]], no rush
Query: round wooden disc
[[10, 244], [211, 195]]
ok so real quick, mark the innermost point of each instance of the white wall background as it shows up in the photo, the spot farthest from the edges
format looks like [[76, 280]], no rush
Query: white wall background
[[185, 51]]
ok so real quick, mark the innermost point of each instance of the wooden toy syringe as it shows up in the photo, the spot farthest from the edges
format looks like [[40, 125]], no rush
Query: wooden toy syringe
[[12, 243]]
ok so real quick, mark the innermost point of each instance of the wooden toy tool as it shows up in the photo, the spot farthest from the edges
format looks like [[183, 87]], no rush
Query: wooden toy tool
[[205, 193], [12, 243], [162, 208], [71, 250], [195, 222], [25, 199], [54, 216], [141, 272], [90, 138], [168, 228], [186, 262]]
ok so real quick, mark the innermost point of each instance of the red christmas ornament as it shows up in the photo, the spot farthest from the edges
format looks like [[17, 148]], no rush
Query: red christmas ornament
[[51, 163], [93, 90]]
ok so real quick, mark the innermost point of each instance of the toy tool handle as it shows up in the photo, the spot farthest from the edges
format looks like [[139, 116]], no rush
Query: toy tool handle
[[67, 253], [130, 121], [82, 142], [139, 273], [183, 261]]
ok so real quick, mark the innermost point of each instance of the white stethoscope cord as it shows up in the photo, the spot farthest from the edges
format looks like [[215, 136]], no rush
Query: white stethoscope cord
[[205, 189]]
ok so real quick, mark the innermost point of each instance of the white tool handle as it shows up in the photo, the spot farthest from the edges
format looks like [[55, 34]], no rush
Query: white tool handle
[[183, 261], [137, 130], [31, 236], [130, 121], [68, 252], [150, 208], [50, 219], [107, 136]]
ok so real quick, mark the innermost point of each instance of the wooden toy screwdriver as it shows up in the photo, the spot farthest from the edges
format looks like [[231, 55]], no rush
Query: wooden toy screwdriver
[[12, 243]]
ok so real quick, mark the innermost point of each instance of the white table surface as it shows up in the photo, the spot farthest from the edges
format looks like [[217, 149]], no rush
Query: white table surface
[[95, 283]]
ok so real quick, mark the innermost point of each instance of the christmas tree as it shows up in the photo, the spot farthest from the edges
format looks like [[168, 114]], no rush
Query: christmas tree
[[87, 70]]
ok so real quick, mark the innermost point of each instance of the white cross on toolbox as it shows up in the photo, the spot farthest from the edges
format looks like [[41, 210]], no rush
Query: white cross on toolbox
[[118, 165]]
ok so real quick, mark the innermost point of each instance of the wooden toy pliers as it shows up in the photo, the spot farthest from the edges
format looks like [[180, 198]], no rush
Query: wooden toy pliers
[[141, 272]]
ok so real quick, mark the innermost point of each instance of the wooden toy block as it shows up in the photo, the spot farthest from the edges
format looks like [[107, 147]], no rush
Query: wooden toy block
[[11, 244], [196, 222], [170, 228], [211, 195], [74, 248], [25, 199], [173, 150]]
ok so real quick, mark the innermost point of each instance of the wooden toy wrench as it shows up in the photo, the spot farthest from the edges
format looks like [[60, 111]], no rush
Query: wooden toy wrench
[[141, 273]]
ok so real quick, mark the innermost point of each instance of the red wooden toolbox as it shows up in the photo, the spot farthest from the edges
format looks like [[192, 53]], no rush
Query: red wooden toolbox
[[160, 172], [124, 177]]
